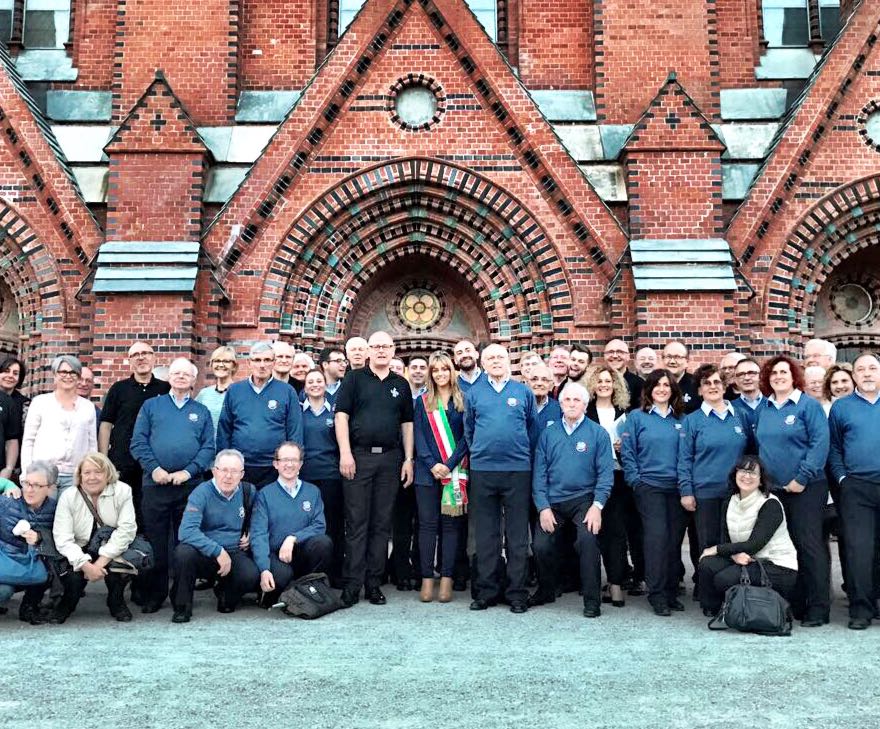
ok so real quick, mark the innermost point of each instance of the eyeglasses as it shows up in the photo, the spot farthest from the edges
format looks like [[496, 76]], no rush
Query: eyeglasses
[[66, 373], [381, 346], [229, 471], [713, 383], [746, 473], [140, 355], [287, 461], [262, 360], [620, 352], [338, 361], [32, 485], [222, 362], [749, 373], [673, 357]]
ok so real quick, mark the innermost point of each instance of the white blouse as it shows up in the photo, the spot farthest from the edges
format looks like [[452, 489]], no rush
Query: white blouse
[[54, 434]]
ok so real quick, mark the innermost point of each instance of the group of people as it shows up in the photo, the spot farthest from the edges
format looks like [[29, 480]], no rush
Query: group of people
[[472, 474]]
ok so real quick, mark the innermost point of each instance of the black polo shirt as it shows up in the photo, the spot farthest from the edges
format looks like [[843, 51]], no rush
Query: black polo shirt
[[690, 393], [10, 426], [121, 408], [375, 407], [634, 384]]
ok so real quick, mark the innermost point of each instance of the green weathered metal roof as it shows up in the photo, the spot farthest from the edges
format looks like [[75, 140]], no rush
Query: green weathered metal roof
[[746, 141], [222, 182], [237, 144], [583, 142], [142, 280], [682, 264], [782, 64], [614, 136], [607, 180], [736, 178], [753, 104], [562, 105], [49, 64], [144, 266], [78, 106], [265, 106]]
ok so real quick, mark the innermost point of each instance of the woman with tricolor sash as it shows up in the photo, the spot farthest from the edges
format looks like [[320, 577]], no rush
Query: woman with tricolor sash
[[441, 477]]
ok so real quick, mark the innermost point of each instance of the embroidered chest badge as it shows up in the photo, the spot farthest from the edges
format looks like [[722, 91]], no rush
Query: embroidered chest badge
[[737, 430], [307, 505], [511, 401], [394, 392], [193, 417], [789, 419], [273, 404], [686, 398], [329, 422], [677, 426], [241, 512], [581, 447]]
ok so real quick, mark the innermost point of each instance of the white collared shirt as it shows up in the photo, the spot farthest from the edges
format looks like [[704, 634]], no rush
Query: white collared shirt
[[332, 387], [795, 397], [476, 374], [306, 405], [542, 405], [256, 389], [571, 428], [291, 490], [708, 410], [222, 495], [655, 409], [865, 397], [751, 402], [498, 386], [179, 403]]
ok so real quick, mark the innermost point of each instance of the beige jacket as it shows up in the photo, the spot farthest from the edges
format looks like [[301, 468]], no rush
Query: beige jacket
[[74, 521]]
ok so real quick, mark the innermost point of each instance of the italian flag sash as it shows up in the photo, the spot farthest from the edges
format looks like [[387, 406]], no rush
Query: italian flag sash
[[453, 499]]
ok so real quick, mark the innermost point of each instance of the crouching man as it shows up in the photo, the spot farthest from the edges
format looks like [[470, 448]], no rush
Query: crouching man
[[287, 534], [214, 539], [571, 480]]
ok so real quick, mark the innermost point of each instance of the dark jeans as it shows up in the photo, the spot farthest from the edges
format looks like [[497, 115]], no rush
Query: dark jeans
[[708, 521], [804, 513], [494, 492], [260, 476], [546, 547], [431, 521], [163, 509], [717, 574], [860, 512], [75, 582], [190, 565], [663, 522], [313, 555], [369, 504], [404, 535], [334, 516], [612, 537]]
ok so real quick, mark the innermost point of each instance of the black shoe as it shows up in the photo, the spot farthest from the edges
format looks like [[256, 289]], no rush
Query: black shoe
[[223, 605], [606, 594], [3, 610], [32, 614], [181, 615], [592, 611], [538, 598], [519, 607], [404, 585], [676, 605], [151, 607], [482, 604], [459, 584], [375, 596], [709, 612], [205, 584], [637, 590], [859, 623], [350, 597], [662, 610], [120, 612], [813, 621], [137, 596], [57, 616]]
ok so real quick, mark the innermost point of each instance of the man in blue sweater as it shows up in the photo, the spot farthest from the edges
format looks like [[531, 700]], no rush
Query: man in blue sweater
[[214, 539], [499, 415], [571, 481], [173, 442], [854, 460], [259, 414], [287, 533]]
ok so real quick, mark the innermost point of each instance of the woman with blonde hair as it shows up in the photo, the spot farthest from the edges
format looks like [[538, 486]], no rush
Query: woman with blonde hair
[[441, 476], [223, 366]]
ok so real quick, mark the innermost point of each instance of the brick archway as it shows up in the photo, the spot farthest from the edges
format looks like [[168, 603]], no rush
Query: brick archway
[[840, 225], [427, 208], [29, 271]]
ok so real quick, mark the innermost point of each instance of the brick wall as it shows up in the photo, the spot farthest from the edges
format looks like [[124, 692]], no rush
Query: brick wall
[[556, 44], [277, 43], [94, 27]]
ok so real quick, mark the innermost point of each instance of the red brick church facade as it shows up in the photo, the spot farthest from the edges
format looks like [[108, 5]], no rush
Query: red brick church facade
[[524, 171]]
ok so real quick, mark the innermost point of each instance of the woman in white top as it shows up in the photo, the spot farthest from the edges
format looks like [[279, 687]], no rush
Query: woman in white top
[[753, 528], [60, 425], [609, 399]]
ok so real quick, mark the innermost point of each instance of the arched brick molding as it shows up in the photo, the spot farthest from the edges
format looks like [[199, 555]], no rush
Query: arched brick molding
[[424, 207], [30, 271], [841, 224]]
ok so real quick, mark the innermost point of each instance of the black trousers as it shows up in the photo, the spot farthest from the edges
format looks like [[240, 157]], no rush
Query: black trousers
[[190, 565], [804, 513], [494, 493], [134, 477], [162, 511], [313, 555], [260, 476], [635, 536], [717, 574], [404, 559], [431, 524], [663, 522], [334, 516], [75, 582], [546, 547], [369, 504], [462, 569], [707, 519], [612, 537], [860, 512]]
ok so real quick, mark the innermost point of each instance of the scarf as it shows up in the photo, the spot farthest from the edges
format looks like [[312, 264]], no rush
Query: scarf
[[453, 498]]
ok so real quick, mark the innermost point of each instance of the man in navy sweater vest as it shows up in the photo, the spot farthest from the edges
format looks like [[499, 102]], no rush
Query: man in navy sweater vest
[[174, 443], [287, 531], [854, 459], [214, 539], [571, 481], [499, 415], [258, 415]]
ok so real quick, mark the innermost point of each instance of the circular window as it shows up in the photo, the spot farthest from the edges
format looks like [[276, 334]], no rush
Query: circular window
[[416, 102], [869, 124], [419, 308], [855, 302]]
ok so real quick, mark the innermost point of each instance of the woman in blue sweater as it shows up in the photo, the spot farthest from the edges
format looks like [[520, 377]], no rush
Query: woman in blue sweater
[[791, 432], [440, 472], [649, 453], [712, 441]]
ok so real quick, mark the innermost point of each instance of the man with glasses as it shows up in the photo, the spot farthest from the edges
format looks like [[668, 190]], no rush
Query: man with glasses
[[558, 363], [616, 355], [174, 443], [214, 538], [374, 415], [675, 359], [747, 376], [120, 411], [646, 362], [547, 409], [258, 414], [333, 364], [287, 532]]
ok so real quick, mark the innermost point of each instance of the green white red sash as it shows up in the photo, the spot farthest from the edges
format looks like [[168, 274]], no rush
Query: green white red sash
[[453, 499]]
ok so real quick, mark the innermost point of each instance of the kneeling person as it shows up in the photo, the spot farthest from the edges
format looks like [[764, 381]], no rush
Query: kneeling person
[[214, 539], [288, 536], [571, 480]]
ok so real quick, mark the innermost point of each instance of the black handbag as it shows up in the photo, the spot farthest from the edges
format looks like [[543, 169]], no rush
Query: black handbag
[[134, 560], [310, 597], [752, 608]]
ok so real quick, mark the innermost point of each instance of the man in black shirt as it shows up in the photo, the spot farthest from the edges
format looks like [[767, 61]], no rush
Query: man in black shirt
[[120, 411], [374, 414], [675, 359], [616, 355]]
